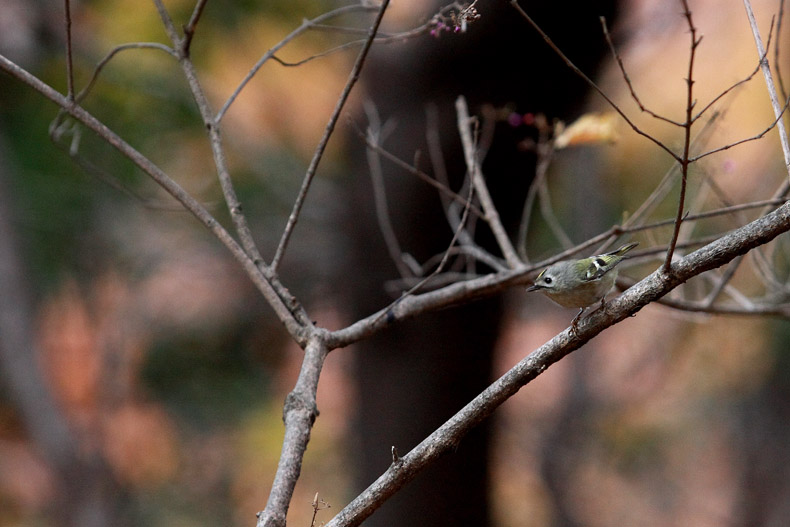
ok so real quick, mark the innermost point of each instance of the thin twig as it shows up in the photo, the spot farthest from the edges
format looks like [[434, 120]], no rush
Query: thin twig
[[380, 193], [99, 173], [292, 317], [544, 150], [708, 214], [114, 51], [473, 167], [189, 27], [665, 185], [217, 150], [547, 211], [590, 82], [69, 53], [442, 187], [751, 308], [439, 268], [627, 79], [472, 251], [330, 126], [451, 206], [684, 159], [770, 127], [729, 272], [398, 37], [100, 66], [778, 46], [306, 24], [729, 89], [769, 82], [443, 262]]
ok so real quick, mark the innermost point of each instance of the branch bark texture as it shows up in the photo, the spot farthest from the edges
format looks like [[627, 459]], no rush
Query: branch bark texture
[[299, 414], [651, 288]]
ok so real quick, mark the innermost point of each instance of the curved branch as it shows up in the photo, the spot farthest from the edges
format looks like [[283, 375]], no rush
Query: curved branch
[[306, 24], [284, 310]]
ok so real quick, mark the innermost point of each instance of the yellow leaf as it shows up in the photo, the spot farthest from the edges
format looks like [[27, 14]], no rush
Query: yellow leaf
[[589, 128]]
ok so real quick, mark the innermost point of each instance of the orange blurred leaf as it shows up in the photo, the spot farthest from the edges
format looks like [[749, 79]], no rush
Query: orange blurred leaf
[[587, 129]]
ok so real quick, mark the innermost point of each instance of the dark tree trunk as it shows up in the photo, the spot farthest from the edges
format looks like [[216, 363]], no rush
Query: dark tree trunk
[[415, 376]]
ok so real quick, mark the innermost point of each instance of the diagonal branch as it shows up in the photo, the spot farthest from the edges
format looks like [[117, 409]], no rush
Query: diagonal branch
[[446, 438], [755, 137], [189, 27], [383, 215], [769, 81], [330, 127], [733, 86], [445, 192], [307, 24], [473, 166], [627, 78], [589, 81], [291, 316], [215, 140]]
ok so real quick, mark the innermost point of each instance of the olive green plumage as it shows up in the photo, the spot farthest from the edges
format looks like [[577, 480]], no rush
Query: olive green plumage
[[581, 283]]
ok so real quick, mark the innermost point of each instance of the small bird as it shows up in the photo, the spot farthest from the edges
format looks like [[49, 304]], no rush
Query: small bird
[[581, 283]]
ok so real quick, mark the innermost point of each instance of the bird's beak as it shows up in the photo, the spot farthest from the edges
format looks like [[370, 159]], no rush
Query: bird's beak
[[534, 287]]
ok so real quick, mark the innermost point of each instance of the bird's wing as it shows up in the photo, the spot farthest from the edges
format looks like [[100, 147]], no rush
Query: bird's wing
[[597, 268]]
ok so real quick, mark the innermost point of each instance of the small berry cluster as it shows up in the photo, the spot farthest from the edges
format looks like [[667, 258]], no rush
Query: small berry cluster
[[457, 22], [515, 119]]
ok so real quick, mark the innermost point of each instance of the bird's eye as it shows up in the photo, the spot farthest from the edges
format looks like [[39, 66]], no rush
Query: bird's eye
[[547, 280]]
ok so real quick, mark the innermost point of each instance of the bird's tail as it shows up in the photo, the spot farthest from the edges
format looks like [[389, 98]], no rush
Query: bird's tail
[[622, 250]]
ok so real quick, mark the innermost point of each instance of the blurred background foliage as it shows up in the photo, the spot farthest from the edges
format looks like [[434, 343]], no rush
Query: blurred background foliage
[[171, 368], [157, 348]]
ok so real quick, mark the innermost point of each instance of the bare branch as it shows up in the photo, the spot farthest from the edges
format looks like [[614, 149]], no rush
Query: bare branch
[[114, 51], [769, 82], [306, 24], [648, 290], [380, 193], [590, 82], [684, 159], [330, 126], [729, 89], [398, 37], [386, 313], [444, 190], [751, 309], [473, 167], [291, 316], [627, 79], [777, 46], [218, 152], [299, 415], [770, 127], [708, 214], [544, 149], [446, 255], [546, 208], [189, 27], [722, 282], [69, 52]]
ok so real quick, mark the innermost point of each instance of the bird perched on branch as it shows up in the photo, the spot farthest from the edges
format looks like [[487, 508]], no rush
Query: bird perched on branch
[[581, 283]]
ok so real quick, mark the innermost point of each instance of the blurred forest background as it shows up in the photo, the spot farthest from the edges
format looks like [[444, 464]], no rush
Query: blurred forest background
[[170, 370]]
